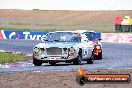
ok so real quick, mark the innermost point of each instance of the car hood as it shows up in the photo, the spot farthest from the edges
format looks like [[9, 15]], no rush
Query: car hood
[[96, 42], [57, 44]]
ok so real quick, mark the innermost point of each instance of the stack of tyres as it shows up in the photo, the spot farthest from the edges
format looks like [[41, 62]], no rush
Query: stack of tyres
[[117, 23], [130, 25], [118, 28], [125, 24]]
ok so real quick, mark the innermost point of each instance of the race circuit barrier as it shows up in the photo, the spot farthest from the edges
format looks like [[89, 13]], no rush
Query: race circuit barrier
[[30, 35], [27, 35], [116, 37], [33, 35]]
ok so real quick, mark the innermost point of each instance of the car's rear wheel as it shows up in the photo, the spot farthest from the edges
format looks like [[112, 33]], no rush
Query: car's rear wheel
[[52, 63], [77, 61], [91, 59], [37, 62]]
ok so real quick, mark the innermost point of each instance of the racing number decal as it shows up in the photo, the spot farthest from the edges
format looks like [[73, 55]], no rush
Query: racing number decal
[[85, 48], [85, 52]]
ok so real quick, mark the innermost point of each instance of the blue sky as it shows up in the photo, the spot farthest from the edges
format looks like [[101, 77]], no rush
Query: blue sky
[[67, 4]]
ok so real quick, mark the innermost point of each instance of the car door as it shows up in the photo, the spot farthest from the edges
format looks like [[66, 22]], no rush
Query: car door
[[87, 47]]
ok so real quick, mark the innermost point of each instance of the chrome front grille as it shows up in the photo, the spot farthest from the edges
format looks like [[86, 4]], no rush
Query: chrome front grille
[[54, 51]]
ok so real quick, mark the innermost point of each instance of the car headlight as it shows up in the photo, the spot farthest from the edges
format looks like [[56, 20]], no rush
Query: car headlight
[[36, 50], [98, 47], [71, 50]]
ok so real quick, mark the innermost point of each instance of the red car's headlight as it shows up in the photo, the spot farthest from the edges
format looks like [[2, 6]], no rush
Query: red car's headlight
[[98, 47]]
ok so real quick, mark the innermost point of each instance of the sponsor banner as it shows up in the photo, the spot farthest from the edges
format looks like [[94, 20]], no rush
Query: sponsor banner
[[117, 37], [1, 36], [10, 34], [31, 35]]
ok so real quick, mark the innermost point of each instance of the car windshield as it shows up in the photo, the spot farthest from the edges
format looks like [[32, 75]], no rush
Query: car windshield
[[63, 37], [91, 35]]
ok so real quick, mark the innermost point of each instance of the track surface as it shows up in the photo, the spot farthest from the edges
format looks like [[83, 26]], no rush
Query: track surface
[[114, 56]]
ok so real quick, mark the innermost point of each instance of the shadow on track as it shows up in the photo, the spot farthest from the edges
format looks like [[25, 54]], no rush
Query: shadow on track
[[64, 64]]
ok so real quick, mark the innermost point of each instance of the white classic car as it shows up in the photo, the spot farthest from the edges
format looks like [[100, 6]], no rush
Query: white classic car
[[64, 47]]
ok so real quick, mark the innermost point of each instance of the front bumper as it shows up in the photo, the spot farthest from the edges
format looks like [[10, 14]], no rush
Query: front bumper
[[55, 59], [97, 52]]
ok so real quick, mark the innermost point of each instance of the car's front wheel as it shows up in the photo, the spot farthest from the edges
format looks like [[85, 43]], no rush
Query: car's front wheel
[[77, 61], [37, 62], [91, 59]]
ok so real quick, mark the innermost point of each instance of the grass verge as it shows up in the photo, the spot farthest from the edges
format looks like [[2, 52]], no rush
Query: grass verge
[[43, 24], [10, 57], [38, 30]]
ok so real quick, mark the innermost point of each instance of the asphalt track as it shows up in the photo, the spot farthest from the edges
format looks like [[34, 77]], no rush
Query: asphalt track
[[114, 56]]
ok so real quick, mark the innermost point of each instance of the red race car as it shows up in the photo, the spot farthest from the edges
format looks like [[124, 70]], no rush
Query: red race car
[[95, 37]]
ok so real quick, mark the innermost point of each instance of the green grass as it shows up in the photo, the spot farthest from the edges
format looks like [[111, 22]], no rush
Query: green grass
[[20, 23], [53, 30], [10, 57], [43, 24], [16, 29], [58, 27], [48, 30], [50, 24]]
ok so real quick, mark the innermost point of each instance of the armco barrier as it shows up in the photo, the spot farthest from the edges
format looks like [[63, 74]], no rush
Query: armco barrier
[[117, 37], [30, 35]]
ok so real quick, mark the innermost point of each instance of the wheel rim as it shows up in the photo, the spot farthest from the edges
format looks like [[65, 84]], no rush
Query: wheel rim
[[92, 57]]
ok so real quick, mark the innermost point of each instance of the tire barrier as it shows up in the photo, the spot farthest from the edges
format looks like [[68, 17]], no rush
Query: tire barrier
[[123, 25]]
